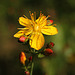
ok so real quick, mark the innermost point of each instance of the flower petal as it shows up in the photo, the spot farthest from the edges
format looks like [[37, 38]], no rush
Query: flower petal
[[24, 31], [19, 33], [42, 20], [36, 40], [28, 31], [49, 30], [24, 21]]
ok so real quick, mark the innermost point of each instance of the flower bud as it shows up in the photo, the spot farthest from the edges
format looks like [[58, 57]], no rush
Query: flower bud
[[51, 44], [27, 73], [22, 58], [30, 58], [22, 39], [51, 21], [48, 51]]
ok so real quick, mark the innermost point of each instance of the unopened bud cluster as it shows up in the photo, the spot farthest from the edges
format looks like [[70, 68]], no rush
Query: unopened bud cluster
[[48, 50], [23, 60], [27, 60]]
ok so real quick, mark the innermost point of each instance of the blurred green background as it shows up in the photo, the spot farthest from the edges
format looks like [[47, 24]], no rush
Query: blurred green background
[[62, 12]]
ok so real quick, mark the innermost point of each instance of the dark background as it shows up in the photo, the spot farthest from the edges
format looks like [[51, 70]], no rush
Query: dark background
[[62, 12]]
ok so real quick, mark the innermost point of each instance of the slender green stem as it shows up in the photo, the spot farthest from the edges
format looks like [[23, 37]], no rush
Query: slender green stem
[[32, 68], [32, 63]]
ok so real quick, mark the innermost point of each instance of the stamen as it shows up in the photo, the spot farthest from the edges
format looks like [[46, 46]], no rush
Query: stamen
[[54, 24], [40, 16], [30, 13], [25, 16], [49, 15], [40, 13], [31, 22], [45, 19], [34, 16], [22, 28]]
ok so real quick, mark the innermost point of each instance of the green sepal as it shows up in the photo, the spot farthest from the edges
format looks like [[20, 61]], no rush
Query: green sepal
[[41, 55], [26, 40], [48, 22], [29, 67]]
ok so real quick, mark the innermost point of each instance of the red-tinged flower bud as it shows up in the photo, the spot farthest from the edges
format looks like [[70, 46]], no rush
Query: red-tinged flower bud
[[51, 21], [48, 51], [27, 73], [51, 44], [22, 58], [30, 58], [22, 39]]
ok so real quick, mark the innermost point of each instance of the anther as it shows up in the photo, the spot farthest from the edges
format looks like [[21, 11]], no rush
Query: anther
[[25, 16]]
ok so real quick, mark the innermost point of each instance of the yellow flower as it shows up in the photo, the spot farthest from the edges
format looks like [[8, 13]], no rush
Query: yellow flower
[[34, 28]]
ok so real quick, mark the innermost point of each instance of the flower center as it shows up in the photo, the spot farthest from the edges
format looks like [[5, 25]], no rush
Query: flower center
[[37, 28]]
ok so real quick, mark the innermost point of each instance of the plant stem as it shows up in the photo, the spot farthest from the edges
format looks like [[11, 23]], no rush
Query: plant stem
[[32, 62], [32, 67]]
